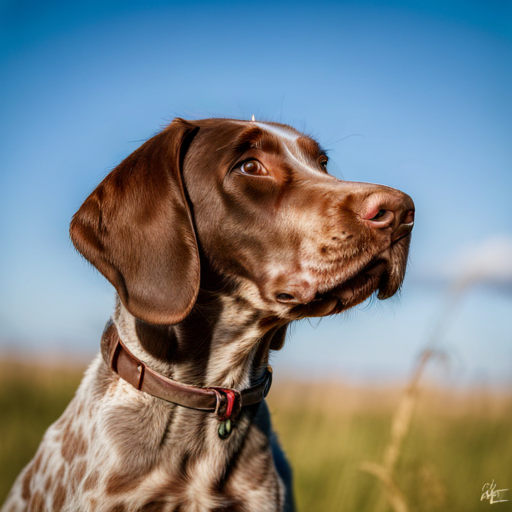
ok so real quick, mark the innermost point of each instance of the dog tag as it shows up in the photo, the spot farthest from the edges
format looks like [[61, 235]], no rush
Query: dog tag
[[225, 428]]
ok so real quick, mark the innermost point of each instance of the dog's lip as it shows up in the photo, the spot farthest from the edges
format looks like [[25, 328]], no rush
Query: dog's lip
[[371, 273], [373, 276], [339, 297], [405, 231], [296, 297], [370, 277]]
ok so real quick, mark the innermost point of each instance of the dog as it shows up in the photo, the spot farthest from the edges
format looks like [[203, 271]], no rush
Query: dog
[[216, 234]]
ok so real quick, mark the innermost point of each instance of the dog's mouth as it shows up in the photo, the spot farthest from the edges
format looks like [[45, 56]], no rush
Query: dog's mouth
[[359, 287], [383, 274]]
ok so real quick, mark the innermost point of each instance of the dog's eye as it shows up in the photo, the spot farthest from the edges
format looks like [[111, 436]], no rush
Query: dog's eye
[[253, 168], [323, 163]]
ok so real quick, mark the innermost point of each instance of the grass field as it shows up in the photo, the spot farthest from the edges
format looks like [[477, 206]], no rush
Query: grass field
[[455, 443]]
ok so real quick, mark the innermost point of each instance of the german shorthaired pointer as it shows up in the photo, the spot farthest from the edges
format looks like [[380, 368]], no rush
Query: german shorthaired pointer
[[216, 234]]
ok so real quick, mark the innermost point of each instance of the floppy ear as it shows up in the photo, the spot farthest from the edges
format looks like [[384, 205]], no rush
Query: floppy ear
[[136, 229]]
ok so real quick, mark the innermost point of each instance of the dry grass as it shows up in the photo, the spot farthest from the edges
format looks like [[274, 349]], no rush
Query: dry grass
[[437, 450], [453, 444]]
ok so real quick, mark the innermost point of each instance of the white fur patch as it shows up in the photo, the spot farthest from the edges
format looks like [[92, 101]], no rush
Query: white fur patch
[[289, 140]]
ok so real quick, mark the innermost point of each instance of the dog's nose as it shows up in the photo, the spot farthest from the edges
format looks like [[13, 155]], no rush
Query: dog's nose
[[389, 209]]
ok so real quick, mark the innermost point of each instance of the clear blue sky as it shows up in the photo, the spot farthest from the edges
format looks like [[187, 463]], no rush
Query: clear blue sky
[[420, 92]]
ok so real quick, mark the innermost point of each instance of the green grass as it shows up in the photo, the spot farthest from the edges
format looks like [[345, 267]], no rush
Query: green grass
[[456, 443], [31, 398]]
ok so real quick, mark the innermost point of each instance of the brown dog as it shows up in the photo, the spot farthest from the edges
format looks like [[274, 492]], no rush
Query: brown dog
[[216, 234]]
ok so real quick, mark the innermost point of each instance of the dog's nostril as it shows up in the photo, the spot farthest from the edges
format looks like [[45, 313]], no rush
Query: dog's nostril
[[380, 214], [381, 219], [409, 217]]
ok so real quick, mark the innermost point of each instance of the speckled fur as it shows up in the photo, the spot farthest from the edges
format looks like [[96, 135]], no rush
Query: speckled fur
[[116, 448]]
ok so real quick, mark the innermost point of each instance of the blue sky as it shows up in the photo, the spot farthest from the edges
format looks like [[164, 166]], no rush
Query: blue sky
[[418, 91]]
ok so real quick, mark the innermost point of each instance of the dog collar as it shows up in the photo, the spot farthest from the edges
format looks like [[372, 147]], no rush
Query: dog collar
[[225, 403]]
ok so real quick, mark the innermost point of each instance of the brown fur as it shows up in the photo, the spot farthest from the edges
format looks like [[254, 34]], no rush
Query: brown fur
[[59, 497], [216, 234]]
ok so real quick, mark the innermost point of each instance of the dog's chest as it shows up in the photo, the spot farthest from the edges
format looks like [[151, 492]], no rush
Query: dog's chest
[[111, 450]]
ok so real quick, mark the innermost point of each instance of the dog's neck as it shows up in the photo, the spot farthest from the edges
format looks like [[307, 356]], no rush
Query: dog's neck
[[222, 342]]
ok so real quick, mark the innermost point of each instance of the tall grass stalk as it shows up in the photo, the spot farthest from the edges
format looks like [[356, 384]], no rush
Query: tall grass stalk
[[401, 421]]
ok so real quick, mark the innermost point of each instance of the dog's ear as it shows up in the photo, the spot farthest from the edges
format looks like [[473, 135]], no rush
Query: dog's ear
[[137, 230]]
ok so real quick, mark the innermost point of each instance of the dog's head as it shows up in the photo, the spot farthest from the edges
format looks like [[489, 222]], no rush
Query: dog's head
[[253, 201]]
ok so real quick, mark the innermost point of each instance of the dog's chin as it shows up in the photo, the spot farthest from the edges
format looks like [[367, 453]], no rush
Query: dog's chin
[[383, 275]]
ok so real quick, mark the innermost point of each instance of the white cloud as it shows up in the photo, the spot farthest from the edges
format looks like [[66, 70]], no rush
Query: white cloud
[[489, 262]]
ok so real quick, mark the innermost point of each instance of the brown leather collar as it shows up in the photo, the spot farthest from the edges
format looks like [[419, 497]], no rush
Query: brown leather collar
[[224, 403]]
